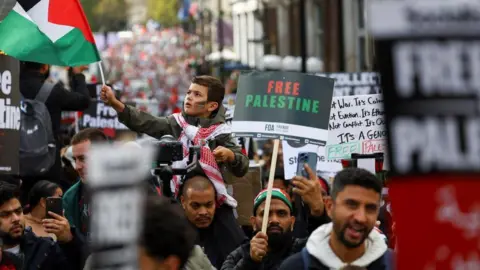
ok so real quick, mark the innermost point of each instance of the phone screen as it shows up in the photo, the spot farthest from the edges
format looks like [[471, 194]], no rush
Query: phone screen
[[309, 158], [54, 204]]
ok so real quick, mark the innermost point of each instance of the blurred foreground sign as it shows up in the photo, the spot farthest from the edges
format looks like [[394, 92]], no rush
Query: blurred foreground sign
[[115, 179], [429, 60]]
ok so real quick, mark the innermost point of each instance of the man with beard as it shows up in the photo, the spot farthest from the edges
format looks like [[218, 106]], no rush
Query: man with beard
[[218, 231], [350, 238], [267, 251], [34, 252]]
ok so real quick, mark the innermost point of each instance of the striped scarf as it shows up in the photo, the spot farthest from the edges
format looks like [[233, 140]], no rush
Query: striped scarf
[[199, 136]]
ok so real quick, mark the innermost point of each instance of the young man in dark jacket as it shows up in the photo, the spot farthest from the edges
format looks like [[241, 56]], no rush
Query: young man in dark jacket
[[267, 251], [35, 252], [32, 78], [202, 120], [350, 238]]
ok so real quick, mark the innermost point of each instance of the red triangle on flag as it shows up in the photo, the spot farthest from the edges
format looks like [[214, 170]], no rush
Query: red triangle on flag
[[70, 12]]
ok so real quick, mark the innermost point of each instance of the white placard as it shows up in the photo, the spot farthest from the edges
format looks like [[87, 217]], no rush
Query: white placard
[[356, 125]]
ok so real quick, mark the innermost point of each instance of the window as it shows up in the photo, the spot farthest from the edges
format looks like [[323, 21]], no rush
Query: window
[[270, 17], [294, 28]]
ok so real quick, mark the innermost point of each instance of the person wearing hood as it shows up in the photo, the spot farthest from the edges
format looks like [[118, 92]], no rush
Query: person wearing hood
[[267, 251], [350, 239]]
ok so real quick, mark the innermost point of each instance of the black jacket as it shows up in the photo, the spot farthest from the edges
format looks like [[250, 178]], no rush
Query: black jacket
[[222, 237], [44, 254], [296, 262], [240, 258], [60, 99]]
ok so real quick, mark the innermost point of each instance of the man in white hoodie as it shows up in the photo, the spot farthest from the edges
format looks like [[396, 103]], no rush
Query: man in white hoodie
[[349, 239]]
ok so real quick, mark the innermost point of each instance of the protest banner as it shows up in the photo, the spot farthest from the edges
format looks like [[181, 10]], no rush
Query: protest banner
[[116, 186], [10, 115], [354, 84], [99, 115], [356, 126], [283, 105], [429, 60]]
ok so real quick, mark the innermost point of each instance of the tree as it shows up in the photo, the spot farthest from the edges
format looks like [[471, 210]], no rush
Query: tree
[[164, 11], [106, 15]]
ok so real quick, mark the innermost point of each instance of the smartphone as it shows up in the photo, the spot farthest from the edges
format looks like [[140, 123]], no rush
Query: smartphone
[[309, 158], [54, 204]]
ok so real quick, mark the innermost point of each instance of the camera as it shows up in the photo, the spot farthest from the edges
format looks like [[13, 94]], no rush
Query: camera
[[169, 150]]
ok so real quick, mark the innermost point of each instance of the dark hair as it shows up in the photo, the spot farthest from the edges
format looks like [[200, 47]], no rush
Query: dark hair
[[166, 231], [42, 189], [8, 192], [216, 90], [357, 177], [89, 134]]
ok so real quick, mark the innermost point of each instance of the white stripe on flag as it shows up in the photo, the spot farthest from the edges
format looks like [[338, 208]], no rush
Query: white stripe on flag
[[39, 15]]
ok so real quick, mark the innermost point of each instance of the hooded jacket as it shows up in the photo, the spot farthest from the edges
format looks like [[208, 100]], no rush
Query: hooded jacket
[[321, 256], [157, 127]]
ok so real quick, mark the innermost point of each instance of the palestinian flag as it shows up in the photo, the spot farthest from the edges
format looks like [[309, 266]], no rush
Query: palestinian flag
[[53, 32]]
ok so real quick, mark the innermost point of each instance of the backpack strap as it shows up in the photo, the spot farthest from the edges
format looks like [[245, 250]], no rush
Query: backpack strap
[[44, 92], [305, 258]]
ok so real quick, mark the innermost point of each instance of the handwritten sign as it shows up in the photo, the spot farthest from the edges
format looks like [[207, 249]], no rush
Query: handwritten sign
[[356, 125]]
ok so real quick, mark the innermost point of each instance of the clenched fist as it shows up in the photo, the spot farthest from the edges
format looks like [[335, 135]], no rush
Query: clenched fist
[[107, 95], [223, 154], [258, 247]]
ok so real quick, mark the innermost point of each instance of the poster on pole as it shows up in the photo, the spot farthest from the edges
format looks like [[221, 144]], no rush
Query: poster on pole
[[10, 115], [354, 84], [429, 59], [283, 105], [116, 187]]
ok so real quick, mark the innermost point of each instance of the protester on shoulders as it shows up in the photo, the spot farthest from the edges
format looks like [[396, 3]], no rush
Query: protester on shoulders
[[202, 109], [218, 231], [36, 210], [36, 252], [267, 251], [350, 239]]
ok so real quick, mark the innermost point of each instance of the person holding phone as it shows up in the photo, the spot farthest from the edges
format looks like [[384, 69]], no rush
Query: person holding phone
[[36, 210]]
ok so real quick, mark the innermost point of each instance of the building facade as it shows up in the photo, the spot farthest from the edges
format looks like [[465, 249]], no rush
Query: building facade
[[335, 30]]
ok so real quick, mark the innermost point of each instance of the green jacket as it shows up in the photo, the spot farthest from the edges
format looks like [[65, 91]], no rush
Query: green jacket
[[156, 127], [71, 200]]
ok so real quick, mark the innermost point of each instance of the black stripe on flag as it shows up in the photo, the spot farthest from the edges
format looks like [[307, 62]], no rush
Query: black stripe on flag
[[28, 4]]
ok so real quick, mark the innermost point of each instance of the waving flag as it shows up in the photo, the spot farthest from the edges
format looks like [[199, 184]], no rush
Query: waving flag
[[48, 31]]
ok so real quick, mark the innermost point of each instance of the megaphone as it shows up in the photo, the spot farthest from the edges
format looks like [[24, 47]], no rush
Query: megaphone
[[5, 7]]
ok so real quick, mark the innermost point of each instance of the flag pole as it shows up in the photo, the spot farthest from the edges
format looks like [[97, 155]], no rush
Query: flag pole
[[101, 72]]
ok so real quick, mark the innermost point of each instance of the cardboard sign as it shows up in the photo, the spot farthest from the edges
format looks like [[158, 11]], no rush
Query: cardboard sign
[[356, 125], [99, 115], [285, 105], [9, 115], [116, 185], [354, 84]]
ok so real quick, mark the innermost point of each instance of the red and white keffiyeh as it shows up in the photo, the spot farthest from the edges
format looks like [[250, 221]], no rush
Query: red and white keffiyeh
[[196, 136]]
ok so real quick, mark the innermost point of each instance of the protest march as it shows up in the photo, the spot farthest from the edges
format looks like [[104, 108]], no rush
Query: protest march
[[135, 150]]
